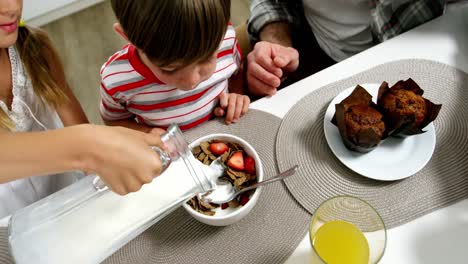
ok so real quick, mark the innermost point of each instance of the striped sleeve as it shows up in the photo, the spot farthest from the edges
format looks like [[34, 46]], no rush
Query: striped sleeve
[[230, 48], [110, 108], [237, 54]]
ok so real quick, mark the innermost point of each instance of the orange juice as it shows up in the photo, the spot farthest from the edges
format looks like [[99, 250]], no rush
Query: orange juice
[[339, 242]]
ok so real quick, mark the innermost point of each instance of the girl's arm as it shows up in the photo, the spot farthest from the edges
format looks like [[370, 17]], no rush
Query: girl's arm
[[120, 156], [37, 153], [70, 112], [129, 123]]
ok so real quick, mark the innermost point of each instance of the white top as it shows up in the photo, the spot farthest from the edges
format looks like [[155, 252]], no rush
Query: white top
[[341, 27], [17, 194], [438, 237]]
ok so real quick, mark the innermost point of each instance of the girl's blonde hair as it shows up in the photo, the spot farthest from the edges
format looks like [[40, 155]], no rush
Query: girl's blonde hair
[[39, 58], [174, 31]]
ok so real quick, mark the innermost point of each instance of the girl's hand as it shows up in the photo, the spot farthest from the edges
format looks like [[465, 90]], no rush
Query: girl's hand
[[157, 131], [121, 157], [233, 106]]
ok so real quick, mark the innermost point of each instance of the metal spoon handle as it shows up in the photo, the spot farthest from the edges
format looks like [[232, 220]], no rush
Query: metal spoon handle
[[280, 176]]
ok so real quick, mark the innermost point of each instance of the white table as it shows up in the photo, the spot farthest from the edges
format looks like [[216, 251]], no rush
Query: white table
[[441, 236]]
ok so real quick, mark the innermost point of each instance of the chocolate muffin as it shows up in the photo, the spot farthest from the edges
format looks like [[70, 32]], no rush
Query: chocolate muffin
[[406, 112], [360, 124], [359, 118], [406, 104]]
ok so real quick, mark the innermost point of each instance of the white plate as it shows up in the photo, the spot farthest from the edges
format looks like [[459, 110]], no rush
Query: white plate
[[393, 159]]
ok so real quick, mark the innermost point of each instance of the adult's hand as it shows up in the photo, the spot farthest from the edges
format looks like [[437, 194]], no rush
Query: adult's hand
[[267, 64], [121, 157]]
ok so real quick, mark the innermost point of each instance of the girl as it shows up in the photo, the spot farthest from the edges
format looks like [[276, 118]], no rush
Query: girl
[[35, 96], [182, 65]]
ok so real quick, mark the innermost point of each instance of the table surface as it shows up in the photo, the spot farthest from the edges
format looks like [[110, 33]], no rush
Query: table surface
[[441, 236]]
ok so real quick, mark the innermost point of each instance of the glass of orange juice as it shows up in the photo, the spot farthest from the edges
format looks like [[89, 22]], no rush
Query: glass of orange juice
[[347, 230]]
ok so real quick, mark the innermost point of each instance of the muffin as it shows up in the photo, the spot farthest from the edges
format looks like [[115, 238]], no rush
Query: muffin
[[360, 124], [406, 112], [406, 104], [359, 118]]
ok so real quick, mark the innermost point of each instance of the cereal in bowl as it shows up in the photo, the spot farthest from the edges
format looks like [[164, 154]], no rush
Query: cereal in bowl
[[240, 172]]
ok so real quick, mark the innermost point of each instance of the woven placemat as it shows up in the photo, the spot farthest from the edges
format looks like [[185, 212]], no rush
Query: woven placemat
[[5, 257], [443, 181], [269, 234]]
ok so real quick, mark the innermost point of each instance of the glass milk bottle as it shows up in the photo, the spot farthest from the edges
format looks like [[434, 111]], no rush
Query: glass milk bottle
[[86, 223]]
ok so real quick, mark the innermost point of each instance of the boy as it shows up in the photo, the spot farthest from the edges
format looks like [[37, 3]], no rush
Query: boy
[[176, 67]]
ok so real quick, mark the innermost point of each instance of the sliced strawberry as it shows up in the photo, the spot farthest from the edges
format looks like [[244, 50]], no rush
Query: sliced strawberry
[[224, 206], [249, 164], [236, 161], [243, 199], [218, 148]]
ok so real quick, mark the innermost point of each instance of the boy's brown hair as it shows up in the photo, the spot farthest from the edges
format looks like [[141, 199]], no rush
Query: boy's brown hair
[[39, 57], [174, 31]]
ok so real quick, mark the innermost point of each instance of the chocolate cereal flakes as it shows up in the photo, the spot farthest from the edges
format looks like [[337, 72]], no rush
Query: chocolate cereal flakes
[[240, 172]]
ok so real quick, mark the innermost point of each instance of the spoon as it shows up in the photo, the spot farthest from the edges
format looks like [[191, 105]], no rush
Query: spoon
[[225, 191]]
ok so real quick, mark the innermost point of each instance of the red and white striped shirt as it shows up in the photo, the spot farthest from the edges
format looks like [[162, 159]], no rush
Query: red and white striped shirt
[[129, 89]]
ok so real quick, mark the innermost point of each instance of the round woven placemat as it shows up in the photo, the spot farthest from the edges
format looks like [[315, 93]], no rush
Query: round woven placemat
[[443, 181], [5, 257], [269, 234]]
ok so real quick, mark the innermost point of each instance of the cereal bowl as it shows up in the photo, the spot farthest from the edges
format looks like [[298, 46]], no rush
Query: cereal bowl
[[230, 215]]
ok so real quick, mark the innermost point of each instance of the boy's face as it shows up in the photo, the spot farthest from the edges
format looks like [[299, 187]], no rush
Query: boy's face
[[10, 15], [184, 77]]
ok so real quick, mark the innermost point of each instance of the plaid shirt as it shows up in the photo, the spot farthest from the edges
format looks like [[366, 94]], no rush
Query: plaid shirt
[[388, 17]]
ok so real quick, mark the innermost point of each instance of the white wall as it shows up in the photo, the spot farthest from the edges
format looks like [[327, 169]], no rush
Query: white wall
[[40, 12]]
